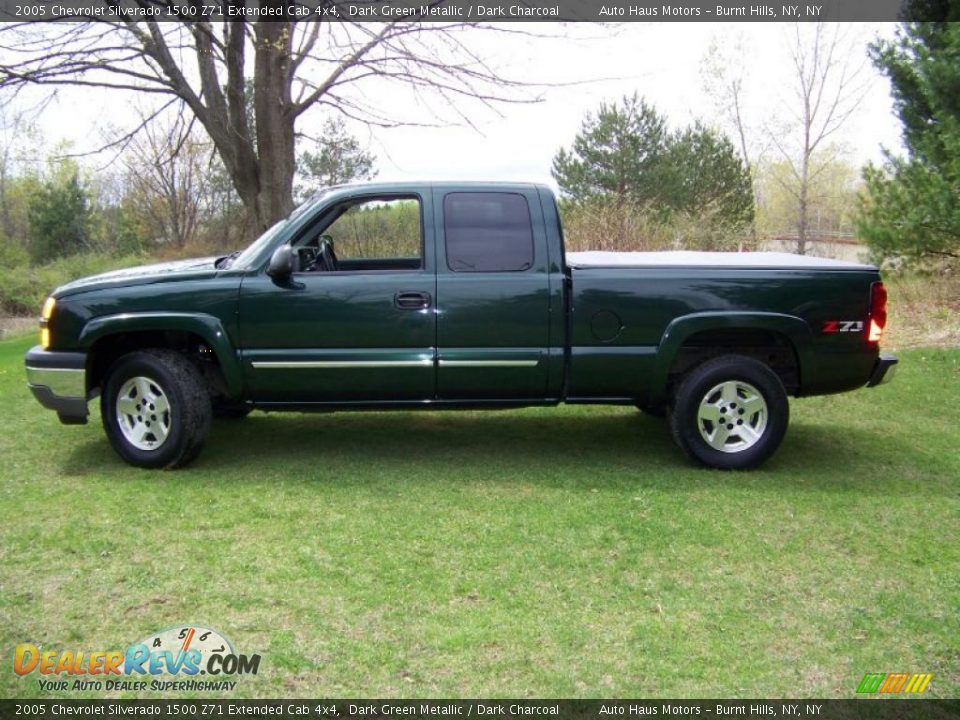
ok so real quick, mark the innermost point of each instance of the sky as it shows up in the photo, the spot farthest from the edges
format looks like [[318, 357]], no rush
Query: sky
[[662, 62], [579, 66]]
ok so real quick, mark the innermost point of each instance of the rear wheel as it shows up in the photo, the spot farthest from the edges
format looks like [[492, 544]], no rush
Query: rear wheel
[[155, 409], [731, 413]]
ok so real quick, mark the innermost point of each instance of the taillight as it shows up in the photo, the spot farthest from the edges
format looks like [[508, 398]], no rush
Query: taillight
[[878, 312]]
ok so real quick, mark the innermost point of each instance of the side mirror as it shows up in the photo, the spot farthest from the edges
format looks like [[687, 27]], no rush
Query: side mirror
[[281, 263]]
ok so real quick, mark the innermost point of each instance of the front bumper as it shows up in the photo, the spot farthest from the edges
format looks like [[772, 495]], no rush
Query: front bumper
[[883, 371], [58, 380]]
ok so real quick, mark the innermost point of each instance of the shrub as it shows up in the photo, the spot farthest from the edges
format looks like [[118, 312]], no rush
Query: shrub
[[621, 226], [23, 288]]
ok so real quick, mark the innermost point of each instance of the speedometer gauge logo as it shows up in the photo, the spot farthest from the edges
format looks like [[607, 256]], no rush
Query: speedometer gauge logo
[[188, 650]]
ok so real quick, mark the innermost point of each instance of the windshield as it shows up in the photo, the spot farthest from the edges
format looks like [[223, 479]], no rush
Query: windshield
[[243, 259], [247, 256], [309, 202]]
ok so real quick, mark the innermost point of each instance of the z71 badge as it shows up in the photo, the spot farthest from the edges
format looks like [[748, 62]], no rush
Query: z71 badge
[[842, 326]]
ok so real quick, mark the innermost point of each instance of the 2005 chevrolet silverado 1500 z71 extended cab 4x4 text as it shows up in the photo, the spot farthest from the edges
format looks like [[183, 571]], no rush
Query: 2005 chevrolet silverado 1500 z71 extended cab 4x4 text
[[456, 296]]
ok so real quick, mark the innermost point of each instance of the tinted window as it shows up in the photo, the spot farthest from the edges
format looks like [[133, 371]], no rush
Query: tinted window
[[487, 232]]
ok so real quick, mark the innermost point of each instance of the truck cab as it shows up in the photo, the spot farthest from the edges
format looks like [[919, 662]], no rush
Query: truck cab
[[410, 295]]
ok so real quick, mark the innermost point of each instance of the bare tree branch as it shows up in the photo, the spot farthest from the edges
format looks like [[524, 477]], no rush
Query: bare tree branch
[[249, 83], [829, 87]]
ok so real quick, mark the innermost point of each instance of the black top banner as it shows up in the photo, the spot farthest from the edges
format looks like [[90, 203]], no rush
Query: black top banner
[[464, 10], [864, 709]]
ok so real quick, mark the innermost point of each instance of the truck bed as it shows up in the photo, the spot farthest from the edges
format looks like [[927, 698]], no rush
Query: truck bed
[[631, 310], [686, 258]]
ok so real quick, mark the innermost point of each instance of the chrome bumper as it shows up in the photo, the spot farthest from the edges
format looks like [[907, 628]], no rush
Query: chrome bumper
[[58, 380]]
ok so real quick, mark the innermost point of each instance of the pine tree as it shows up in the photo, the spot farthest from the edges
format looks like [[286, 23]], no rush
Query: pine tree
[[911, 211], [625, 154], [340, 160], [60, 217], [618, 152]]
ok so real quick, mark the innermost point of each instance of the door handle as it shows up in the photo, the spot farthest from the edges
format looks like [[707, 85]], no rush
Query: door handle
[[412, 300]]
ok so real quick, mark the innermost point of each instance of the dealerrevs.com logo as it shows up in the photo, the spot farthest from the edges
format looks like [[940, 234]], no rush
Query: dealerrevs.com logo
[[169, 660]]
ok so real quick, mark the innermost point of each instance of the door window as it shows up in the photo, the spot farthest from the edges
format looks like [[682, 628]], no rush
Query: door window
[[379, 233]]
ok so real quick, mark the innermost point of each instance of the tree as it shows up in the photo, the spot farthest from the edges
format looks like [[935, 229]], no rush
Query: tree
[[701, 169], [294, 67], [167, 170], [60, 216], [911, 210], [831, 197], [617, 152], [725, 79], [20, 159], [626, 153], [340, 159], [828, 85]]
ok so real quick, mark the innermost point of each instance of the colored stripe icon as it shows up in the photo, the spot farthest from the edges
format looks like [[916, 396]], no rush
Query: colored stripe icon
[[894, 682]]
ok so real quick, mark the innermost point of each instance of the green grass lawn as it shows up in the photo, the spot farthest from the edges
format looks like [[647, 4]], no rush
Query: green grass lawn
[[554, 552]]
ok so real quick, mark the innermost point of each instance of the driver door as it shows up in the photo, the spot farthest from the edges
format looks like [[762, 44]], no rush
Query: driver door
[[362, 332]]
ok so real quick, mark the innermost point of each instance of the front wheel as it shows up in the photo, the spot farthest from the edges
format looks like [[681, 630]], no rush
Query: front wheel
[[155, 409], [731, 413]]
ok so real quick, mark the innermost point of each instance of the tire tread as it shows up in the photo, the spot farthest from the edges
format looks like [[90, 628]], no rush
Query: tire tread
[[197, 410], [690, 392]]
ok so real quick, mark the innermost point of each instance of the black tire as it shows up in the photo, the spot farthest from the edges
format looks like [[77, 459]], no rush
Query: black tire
[[742, 375], [186, 422]]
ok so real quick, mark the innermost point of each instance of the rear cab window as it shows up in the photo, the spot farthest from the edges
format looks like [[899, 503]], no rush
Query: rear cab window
[[487, 232]]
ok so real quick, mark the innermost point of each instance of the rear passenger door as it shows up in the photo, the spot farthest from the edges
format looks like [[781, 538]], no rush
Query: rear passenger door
[[493, 303]]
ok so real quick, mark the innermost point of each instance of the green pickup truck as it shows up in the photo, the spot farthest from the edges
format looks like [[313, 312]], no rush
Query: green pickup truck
[[455, 295]]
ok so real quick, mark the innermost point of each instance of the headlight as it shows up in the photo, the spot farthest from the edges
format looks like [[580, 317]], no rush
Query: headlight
[[45, 315]]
